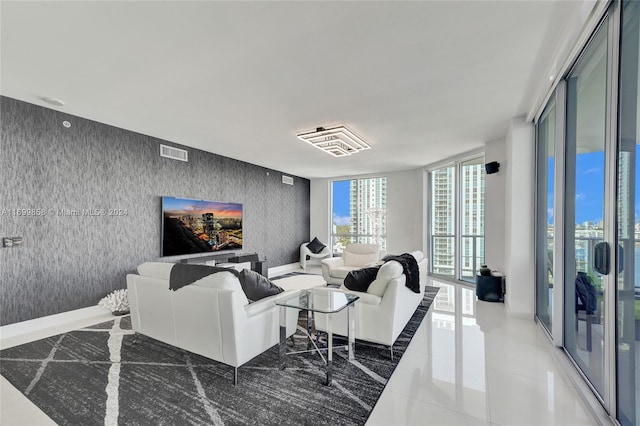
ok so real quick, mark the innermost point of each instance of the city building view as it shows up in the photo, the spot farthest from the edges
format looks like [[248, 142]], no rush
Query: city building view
[[192, 226], [445, 209], [359, 212]]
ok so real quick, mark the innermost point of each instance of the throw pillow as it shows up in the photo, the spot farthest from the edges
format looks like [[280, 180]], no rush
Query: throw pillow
[[257, 287], [359, 279], [315, 246]]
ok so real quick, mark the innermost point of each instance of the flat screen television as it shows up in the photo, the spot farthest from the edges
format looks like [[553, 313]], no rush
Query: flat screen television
[[198, 226]]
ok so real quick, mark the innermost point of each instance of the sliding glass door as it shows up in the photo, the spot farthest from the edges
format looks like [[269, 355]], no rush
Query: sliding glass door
[[593, 230], [545, 214], [628, 189], [585, 210]]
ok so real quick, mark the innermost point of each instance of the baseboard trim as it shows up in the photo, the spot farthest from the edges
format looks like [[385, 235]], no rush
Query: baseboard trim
[[20, 332], [283, 269]]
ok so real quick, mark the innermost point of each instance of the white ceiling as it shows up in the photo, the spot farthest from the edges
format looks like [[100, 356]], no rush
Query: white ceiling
[[420, 81]]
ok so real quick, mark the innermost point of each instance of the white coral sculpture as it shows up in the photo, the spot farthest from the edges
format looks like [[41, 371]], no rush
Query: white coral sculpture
[[116, 302]]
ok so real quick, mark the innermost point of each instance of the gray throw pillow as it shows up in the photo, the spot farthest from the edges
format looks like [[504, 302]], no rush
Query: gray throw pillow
[[257, 287]]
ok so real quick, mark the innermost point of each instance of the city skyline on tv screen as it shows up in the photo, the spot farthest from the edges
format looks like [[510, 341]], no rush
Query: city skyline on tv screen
[[199, 226]]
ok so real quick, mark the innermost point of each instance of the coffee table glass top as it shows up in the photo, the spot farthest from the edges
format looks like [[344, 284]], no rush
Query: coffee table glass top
[[317, 300]]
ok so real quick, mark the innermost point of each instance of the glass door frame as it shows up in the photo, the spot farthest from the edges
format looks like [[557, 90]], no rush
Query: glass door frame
[[608, 397], [557, 324], [611, 206]]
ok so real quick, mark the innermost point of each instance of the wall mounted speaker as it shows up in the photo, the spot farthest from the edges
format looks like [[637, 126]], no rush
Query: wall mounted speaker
[[492, 167]]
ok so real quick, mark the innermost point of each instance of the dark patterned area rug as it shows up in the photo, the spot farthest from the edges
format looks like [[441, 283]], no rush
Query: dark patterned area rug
[[98, 376]]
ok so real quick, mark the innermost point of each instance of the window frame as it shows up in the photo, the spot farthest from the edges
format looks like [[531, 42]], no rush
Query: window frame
[[458, 209], [355, 236]]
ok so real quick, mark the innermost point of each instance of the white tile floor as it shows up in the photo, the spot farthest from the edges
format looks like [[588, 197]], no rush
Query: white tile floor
[[468, 364]]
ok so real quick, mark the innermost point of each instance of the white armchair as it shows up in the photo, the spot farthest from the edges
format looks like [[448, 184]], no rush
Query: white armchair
[[354, 256], [304, 252], [385, 309]]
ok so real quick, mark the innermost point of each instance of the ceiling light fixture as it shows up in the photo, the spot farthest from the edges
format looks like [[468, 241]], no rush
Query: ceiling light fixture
[[337, 141]]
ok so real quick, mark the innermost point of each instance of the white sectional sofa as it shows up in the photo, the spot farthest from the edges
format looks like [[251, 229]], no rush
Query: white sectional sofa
[[211, 317], [385, 309]]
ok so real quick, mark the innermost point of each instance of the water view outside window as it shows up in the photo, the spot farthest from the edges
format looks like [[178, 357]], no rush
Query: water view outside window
[[359, 212], [584, 322]]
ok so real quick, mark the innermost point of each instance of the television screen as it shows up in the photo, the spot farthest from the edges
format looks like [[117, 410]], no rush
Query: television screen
[[197, 226]]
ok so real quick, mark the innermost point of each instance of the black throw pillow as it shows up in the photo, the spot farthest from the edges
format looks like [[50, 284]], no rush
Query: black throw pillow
[[360, 279], [257, 287], [315, 246]]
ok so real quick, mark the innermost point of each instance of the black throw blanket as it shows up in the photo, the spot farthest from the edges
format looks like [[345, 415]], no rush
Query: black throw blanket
[[410, 269], [183, 274]]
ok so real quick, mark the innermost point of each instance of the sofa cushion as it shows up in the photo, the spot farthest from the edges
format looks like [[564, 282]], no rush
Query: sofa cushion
[[160, 270], [257, 287], [315, 246], [359, 279], [386, 273]]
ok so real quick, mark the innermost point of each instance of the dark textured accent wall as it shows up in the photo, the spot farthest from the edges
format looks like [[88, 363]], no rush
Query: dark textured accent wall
[[70, 262]]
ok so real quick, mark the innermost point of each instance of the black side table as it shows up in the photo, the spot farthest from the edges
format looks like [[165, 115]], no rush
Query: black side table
[[490, 288]]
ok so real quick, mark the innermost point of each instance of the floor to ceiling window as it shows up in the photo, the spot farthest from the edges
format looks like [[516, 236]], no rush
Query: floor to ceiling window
[[443, 212], [546, 127], [358, 208], [628, 220], [600, 212], [585, 144], [457, 219]]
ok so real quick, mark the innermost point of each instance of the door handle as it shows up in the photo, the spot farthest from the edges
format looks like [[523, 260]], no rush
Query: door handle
[[601, 258]]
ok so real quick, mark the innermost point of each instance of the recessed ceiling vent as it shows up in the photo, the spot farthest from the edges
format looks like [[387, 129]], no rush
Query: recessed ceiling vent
[[173, 153], [287, 179]]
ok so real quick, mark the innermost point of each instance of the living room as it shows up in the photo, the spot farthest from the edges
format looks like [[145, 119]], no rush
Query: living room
[[92, 91]]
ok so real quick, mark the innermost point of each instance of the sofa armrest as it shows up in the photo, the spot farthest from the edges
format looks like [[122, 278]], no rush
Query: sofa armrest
[[366, 298], [262, 305], [389, 302], [328, 265], [333, 262]]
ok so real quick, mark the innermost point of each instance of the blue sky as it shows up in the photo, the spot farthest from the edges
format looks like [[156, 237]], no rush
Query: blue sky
[[589, 190], [341, 202], [589, 187]]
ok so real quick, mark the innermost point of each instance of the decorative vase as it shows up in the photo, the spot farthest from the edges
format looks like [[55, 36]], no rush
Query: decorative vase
[[485, 271]]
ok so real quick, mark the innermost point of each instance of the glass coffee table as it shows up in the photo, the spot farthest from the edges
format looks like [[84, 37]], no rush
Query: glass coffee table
[[322, 301]]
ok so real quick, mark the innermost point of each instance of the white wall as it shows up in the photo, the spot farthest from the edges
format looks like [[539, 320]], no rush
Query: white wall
[[494, 206], [405, 193], [520, 219]]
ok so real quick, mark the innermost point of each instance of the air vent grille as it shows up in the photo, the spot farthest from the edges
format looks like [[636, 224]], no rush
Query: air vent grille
[[287, 180], [173, 153]]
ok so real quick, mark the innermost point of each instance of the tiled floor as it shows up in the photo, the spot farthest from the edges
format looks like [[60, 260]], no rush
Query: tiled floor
[[468, 364]]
